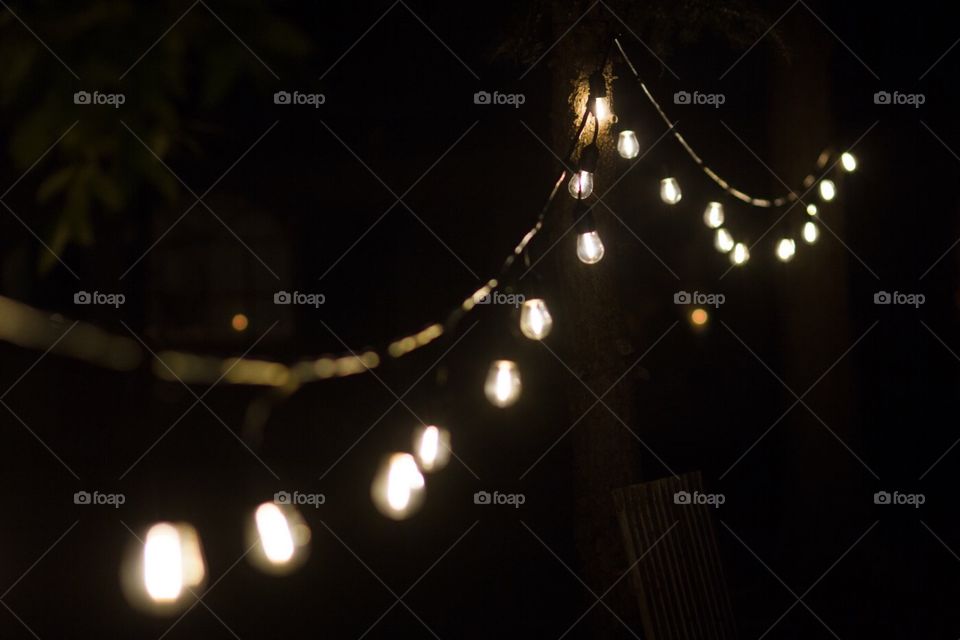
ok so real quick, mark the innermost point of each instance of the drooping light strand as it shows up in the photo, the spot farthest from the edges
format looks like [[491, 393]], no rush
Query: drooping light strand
[[713, 215], [670, 191], [723, 241], [848, 161], [786, 248], [828, 190], [398, 487], [740, 254], [503, 383], [810, 232], [535, 319], [627, 145], [431, 446]]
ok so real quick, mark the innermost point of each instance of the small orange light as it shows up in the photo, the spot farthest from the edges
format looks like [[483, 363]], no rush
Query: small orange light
[[239, 322], [699, 317]]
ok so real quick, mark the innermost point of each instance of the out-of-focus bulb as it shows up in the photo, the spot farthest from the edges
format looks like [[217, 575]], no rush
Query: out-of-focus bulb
[[601, 109], [699, 318], [172, 561], [811, 209], [828, 190], [397, 489], [275, 535], [589, 247], [810, 232], [713, 215], [535, 319], [723, 241], [627, 145], [581, 185], [431, 446], [786, 248], [849, 161], [278, 536], [740, 254], [503, 383], [670, 191]]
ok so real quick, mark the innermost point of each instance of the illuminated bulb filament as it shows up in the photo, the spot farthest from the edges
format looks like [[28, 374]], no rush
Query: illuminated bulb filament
[[786, 248], [503, 383], [581, 185], [810, 233], [723, 241], [589, 247], [535, 319], [740, 254], [828, 190], [713, 215], [627, 145], [670, 191]]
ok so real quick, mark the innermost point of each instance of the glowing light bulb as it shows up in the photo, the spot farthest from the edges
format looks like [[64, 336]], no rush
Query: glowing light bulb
[[535, 319], [601, 109], [589, 247], [811, 209], [786, 248], [275, 535], [397, 489], [670, 191], [699, 317], [723, 241], [740, 254], [431, 445], [828, 190], [713, 215], [581, 185], [503, 383], [810, 233], [849, 161], [278, 537], [172, 561], [627, 145]]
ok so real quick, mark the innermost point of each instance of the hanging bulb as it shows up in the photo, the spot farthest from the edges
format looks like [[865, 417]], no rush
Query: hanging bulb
[[589, 247], [785, 249], [740, 254], [431, 446], [713, 215], [810, 232], [398, 487], [503, 383], [601, 109], [172, 562], [279, 538], [535, 318], [828, 190], [670, 191], [849, 161], [723, 241], [811, 209], [598, 93], [627, 145], [581, 185]]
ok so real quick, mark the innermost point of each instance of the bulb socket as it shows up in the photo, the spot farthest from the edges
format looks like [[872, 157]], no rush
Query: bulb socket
[[590, 158], [585, 221], [598, 86]]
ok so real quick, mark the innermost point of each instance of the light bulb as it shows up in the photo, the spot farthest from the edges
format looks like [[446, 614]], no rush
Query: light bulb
[[828, 190], [785, 249], [670, 191], [723, 241], [849, 161], [810, 233], [581, 185], [699, 318], [279, 537], [535, 319], [713, 215], [589, 247], [601, 109], [811, 209], [398, 487], [172, 561], [740, 254], [627, 145], [503, 383], [431, 446]]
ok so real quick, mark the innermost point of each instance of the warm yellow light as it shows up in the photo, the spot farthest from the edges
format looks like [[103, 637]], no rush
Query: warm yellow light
[[581, 185], [670, 191], [740, 254], [828, 190], [713, 215], [810, 233], [503, 383], [432, 448], [397, 490], [723, 241], [172, 561], [589, 247], [786, 248], [811, 209], [601, 109], [849, 161], [627, 145], [535, 319], [276, 539], [239, 322], [699, 317]]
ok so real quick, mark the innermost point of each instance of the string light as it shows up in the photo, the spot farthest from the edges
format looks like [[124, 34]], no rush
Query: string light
[[786, 248], [598, 93], [503, 383], [280, 538], [398, 487], [601, 109], [172, 562], [849, 161], [811, 209], [535, 318], [581, 184], [699, 318], [723, 241], [431, 445], [713, 215], [590, 248], [627, 145], [670, 191], [810, 232], [740, 254], [828, 190]]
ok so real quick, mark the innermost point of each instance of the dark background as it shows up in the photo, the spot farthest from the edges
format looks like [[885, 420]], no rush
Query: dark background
[[399, 99]]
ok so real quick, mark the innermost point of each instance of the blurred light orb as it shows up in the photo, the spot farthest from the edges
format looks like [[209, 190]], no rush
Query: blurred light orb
[[810, 232], [811, 209], [740, 254], [590, 248], [172, 562], [279, 537], [713, 215], [535, 319], [503, 383], [828, 190], [699, 317], [723, 241], [398, 487], [786, 248], [670, 191], [849, 161], [431, 445], [239, 322], [627, 145]]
